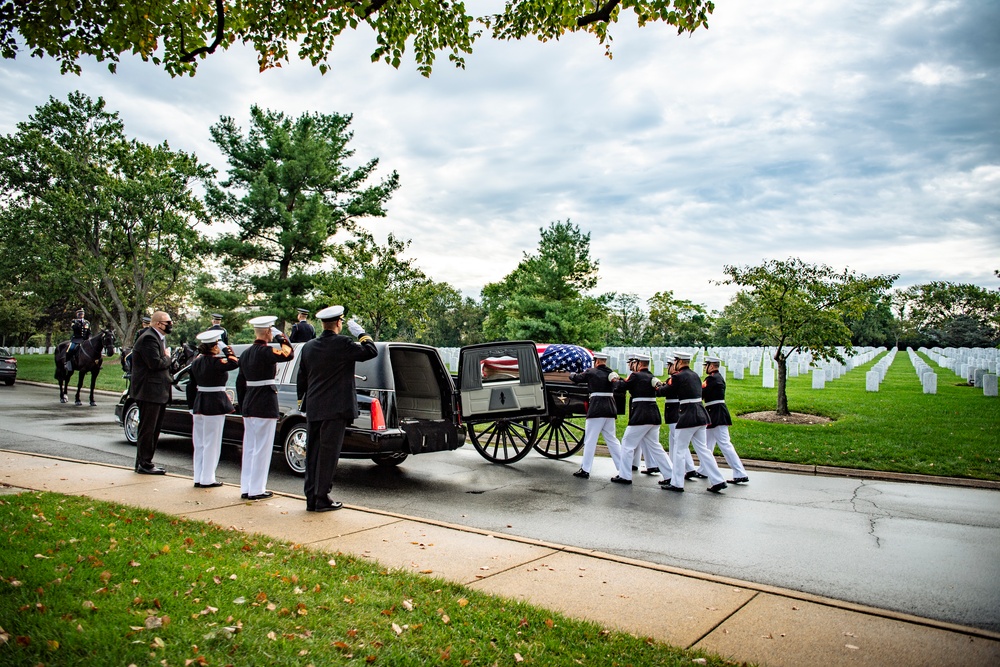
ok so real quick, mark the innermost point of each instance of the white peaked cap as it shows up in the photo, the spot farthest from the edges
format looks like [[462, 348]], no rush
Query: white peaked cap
[[263, 322], [330, 313]]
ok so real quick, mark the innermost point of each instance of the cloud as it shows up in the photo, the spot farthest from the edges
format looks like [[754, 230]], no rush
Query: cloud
[[857, 135]]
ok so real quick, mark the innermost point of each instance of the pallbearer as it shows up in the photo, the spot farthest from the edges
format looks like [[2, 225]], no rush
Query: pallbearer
[[643, 430], [691, 425], [601, 413], [714, 395], [257, 392], [209, 404]]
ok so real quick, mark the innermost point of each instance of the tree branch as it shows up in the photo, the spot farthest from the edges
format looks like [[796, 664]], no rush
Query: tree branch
[[373, 7], [603, 14], [220, 29]]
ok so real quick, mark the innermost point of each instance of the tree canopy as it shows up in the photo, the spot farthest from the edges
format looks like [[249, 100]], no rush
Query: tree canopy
[[178, 33], [91, 217], [950, 314], [794, 306]]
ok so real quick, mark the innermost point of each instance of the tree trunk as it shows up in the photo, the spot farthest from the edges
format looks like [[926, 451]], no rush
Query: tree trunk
[[782, 379]]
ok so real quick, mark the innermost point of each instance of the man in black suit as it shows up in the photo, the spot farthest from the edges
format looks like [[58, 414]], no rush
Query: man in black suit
[[150, 387], [325, 386]]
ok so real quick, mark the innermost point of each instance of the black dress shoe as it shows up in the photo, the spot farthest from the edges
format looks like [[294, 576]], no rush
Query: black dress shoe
[[670, 487], [582, 474], [326, 508], [261, 496], [651, 471], [715, 488], [635, 468], [207, 486], [620, 480], [244, 496], [694, 474], [151, 470], [739, 480]]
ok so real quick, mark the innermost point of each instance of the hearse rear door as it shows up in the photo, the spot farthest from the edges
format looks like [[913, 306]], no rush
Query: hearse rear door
[[501, 380]]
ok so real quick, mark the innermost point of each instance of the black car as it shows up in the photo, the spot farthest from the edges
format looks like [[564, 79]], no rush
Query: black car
[[8, 367], [407, 401]]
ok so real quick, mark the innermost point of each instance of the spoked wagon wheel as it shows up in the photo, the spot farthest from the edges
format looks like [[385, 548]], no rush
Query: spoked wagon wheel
[[504, 440], [558, 438]]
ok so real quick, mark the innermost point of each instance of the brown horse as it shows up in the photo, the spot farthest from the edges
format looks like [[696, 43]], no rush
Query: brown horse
[[89, 358]]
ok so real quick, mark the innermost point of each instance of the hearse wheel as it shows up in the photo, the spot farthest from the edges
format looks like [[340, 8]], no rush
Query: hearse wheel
[[559, 438], [504, 440]]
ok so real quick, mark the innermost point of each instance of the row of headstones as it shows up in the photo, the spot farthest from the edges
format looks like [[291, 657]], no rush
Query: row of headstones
[[759, 361], [928, 378], [977, 366], [875, 376], [29, 350]]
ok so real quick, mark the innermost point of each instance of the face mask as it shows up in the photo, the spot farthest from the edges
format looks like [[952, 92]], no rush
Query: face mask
[[167, 328]]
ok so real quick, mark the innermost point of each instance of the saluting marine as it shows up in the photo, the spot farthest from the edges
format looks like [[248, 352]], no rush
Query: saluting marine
[[257, 394], [643, 430], [81, 332], [209, 404], [302, 331], [601, 413], [692, 420], [714, 395]]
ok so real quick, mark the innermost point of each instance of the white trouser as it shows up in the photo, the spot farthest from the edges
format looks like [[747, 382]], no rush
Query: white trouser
[[719, 436], [593, 428], [647, 439], [694, 436], [688, 459], [206, 434], [639, 453], [258, 442]]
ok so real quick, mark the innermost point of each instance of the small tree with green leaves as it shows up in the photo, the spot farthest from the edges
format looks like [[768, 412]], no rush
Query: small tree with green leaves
[[798, 307]]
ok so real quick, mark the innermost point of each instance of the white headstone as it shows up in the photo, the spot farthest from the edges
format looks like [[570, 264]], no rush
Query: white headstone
[[930, 382], [738, 373], [793, 370], [871, 380], [989, 384], [819, 378], [767, 375]]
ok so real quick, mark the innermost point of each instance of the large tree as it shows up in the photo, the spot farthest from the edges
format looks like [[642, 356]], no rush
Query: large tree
[[951, 314], [385, 291], [545, 297], [94, 217], [177, 33], [290, 189], [674, 321], [794, 306]]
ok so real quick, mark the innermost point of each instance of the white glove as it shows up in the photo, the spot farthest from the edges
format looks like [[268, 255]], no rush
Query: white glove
[[655, 382], [275, 331], [356, 329], [222, 348], [614, 377]]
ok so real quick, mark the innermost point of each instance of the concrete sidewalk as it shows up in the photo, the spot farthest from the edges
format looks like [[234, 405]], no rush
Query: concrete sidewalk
[[735, 619]]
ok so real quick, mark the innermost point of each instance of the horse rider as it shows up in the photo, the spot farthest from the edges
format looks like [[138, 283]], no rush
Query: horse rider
[[81, 332], [217, 326]]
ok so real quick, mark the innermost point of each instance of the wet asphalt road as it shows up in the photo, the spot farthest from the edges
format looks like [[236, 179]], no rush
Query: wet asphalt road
[[926, 550]]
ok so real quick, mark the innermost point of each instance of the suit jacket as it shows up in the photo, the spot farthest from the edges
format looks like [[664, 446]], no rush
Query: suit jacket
[[150, 369], [325, 383]]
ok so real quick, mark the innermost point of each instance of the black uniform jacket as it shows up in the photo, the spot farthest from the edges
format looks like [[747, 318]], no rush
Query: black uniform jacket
[[640, 385], [671, 406], [259, 362], [209, 371], [150, 369], [596, 379], [688, 386], [714, 389], [325, 383], [81, 329], [302, 332]]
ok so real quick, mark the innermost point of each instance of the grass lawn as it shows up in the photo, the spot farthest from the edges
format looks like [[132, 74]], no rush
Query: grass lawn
[[42, 368], [83, 582], [954, 433]]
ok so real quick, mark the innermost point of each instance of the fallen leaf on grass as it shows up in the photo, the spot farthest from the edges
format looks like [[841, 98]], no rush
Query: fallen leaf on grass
[[518, 658], [408, 605], [398, 630], [852, 647]]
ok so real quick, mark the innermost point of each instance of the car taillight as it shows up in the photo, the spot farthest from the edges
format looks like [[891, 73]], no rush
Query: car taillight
[[378, 417]]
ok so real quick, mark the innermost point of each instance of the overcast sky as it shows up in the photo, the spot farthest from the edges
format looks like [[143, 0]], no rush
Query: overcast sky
[[856, 134]]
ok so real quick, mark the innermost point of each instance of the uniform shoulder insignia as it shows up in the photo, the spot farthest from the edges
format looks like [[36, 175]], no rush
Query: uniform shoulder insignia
[[704, 384], [278, 351]]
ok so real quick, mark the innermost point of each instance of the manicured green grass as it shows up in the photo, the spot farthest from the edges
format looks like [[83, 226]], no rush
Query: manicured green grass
[[42, 368], [955, 432], [84, 582]]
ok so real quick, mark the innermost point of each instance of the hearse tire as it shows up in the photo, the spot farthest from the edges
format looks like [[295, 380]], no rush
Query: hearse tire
[[293, 448], [130, 423]]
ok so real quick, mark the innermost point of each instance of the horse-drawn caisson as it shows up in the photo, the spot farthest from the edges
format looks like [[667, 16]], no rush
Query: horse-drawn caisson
[[516, 396]]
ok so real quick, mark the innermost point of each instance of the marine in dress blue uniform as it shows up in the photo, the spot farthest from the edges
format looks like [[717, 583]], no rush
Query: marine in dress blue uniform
[[643, 430], [601, 413], [209, 404], [325, 385], [713, 393], [692, 421], [217, 326], [257, 394], [671, 413], [302, 331]]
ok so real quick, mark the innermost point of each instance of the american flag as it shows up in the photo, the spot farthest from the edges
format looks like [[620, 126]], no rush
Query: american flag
[[560, 357]]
